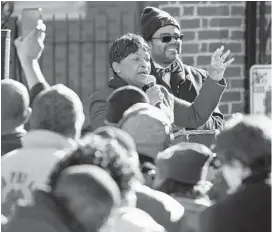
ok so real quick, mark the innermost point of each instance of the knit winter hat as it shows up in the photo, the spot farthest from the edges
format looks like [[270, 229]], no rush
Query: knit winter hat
[[184, 162], [153, 19], [148, 126], [121, 99]]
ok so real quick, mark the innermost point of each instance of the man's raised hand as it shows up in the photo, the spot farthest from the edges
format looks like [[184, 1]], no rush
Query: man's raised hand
[[218, 64]]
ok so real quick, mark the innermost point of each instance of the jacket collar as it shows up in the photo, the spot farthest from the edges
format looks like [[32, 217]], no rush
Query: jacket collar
[[46, 139], [160, 80], [116, 82]]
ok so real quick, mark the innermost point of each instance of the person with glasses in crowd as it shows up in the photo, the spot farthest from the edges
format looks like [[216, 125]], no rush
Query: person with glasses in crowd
[[163, 35], [129, 58]]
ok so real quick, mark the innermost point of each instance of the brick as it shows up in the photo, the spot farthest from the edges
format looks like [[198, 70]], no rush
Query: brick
[[189, 35], [213, 10], [226, 22], [204, 23], [233, 72], [173, 11], [189, 60], [203, 60], [204, 47], [238, 10], [213, 34], [188, 10], [233, 47], [231, 96], [224, 108], [237, 107], [190, 48], [190, 23], [239, 59], [237, 35], [237, 83]]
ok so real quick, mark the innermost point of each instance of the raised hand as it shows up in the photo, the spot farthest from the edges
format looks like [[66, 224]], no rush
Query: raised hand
[[218, 67], [31, 46]]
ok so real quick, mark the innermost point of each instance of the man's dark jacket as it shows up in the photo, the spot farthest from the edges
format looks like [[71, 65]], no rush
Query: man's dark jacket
[[248, 209], [188, 88]]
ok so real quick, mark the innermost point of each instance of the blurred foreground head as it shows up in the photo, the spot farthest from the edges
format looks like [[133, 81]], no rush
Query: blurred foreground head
[[244, 147], [121, 99], [14, 104], [58, 109], [106, 154], [88, 193], [149, 127], [183, 168]]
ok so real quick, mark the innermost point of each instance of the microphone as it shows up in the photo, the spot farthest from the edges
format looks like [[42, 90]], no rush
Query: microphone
[[151, 81]]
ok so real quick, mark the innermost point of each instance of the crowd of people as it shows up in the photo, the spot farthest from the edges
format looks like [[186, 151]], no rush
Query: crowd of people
[[124, 172]]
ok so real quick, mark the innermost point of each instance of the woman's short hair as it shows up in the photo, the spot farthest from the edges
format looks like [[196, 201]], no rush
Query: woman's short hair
[[125, 45]]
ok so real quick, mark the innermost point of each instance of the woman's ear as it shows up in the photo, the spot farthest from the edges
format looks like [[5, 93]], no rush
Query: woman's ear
[[116, 67]]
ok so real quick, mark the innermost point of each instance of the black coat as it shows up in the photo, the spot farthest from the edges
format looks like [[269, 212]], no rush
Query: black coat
[[188, 88], [247, 210]]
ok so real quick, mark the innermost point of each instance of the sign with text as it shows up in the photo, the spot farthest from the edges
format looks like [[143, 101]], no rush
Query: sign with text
[[260, 89]]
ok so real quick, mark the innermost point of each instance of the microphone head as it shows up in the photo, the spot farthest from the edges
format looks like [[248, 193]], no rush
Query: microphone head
[[151, 81]]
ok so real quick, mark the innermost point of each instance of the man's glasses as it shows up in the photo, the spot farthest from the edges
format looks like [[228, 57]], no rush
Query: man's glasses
[[168, 38]]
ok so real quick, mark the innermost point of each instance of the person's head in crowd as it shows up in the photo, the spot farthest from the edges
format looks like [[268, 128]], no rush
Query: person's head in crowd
[[88, 193], [149, 127], [162, 33], [124, 139], [121, 99], [127, 142], [15, 109], [129, 59], [182, 170], [58, 109], [107, 154], [244, 148]]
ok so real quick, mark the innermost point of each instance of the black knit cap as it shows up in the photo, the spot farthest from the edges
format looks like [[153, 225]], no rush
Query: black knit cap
[[153, 19], [121, 99]]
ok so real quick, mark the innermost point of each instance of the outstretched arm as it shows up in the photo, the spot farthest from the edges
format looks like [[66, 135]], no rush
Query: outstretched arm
[[194, 115], [29, 50], [199, 112]]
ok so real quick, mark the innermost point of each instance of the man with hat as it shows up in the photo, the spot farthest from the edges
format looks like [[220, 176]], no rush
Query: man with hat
[[163, 34], [183, 171]]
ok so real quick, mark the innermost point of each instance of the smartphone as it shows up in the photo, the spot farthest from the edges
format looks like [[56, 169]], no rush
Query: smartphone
[[30, 17]]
